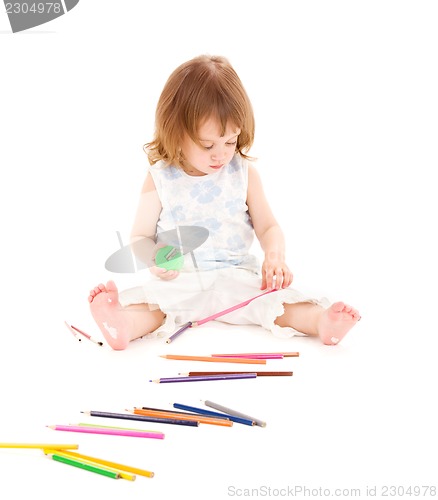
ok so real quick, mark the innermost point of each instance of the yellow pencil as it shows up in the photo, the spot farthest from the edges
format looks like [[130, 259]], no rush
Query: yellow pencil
[[89, 461], [115, 465], [42, 446]]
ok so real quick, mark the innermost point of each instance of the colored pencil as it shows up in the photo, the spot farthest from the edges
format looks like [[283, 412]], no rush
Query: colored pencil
[[74, 332], [245, 354], [107, 431], [201, 411], [235, 413], [178, 332], [259, 374], [85, 466], [203, 378], [114, 427], [40, 446], [123, 475], [230, 309], [141, 418], [224, 421], [251, 356], [200, 322], [175, 412], [215, 360], [107, 463], [86, 335]]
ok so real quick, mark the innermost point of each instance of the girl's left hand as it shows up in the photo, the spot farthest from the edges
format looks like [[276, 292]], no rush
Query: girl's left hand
[[275, 273]]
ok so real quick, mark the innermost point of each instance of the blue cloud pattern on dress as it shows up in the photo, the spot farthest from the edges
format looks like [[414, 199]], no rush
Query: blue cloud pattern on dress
[[234, 206], [236, 242], [212, 224], [205, 192], [171, 172], [178, 213]]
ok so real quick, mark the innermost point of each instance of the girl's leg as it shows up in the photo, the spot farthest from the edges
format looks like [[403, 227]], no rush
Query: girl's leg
[[118, 324], [331, 324]]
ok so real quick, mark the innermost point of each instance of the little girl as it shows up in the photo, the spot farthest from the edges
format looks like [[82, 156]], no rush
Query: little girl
[[202, 187]]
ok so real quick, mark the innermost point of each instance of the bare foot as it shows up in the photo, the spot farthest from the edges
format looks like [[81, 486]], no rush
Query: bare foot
[[108, 314], [336, 322]]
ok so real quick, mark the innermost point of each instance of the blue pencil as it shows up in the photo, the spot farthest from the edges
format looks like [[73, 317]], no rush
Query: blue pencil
[[201, 411]]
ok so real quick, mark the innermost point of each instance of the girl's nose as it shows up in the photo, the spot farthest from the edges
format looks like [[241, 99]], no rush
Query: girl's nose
[[218, 155]]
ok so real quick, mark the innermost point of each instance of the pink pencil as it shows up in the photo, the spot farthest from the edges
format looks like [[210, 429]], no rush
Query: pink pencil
[[250, 356], [107, 430], [213, 316], [230, 309], [260, 354]]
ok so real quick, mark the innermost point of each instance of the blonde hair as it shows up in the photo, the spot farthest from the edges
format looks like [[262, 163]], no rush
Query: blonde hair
[[202, 88]]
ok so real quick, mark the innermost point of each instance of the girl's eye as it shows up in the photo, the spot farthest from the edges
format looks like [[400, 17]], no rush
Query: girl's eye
[[208, 148]]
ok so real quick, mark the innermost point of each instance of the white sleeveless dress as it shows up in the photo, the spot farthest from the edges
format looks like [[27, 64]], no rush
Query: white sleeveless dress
[[221, 271]]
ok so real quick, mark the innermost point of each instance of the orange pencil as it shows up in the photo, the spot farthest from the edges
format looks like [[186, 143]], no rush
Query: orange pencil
[[216, 359], [197, 418]]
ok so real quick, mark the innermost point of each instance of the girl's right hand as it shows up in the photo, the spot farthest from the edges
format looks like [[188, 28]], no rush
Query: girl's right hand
[[164, 274]]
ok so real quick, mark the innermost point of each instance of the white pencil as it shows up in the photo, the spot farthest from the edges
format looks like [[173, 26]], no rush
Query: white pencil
[[234, 413]]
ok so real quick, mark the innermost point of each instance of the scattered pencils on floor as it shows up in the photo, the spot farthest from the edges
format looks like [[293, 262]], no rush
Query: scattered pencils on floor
[[62, 453], [245, 358], [181, 414]]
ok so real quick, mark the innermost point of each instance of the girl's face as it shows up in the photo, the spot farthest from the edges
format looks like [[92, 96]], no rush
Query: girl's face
[[214, 152]]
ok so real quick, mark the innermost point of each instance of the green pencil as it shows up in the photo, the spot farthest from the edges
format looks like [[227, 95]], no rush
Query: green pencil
[[82, 465]]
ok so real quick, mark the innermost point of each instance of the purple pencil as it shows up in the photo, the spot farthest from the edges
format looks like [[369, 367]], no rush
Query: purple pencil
[[203, 378]]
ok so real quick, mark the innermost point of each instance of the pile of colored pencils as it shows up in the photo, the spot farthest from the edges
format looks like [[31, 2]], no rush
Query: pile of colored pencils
[[243, 358], [63, 453]]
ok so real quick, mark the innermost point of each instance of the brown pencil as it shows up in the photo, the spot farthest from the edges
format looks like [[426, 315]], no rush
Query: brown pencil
[[259, 374], [216, 359], [225, 422]]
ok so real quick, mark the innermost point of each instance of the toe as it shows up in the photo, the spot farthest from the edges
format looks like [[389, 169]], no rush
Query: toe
[[338, 306], [111, 286]]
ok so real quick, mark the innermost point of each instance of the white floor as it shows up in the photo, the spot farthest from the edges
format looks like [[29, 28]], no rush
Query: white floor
[[347, 150], [355, 416]]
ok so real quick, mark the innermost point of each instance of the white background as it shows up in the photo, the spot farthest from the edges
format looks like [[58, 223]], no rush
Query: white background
[[346, 108]]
